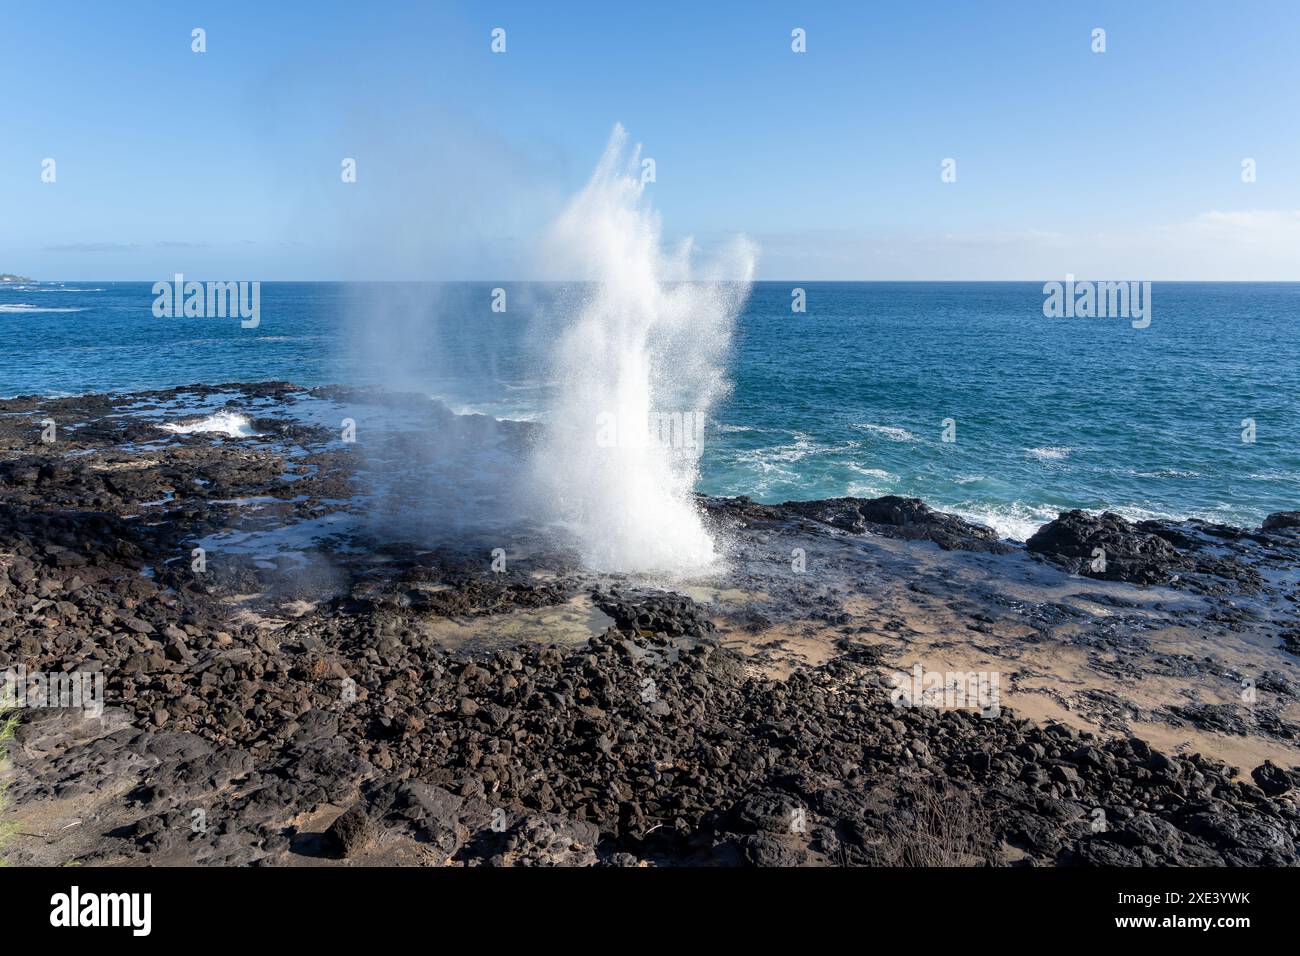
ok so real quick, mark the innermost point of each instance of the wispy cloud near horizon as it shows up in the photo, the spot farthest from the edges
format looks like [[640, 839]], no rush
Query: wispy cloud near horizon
[[1245, 245]]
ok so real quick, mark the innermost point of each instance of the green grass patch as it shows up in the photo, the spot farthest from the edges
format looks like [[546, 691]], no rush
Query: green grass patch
[[8, 724]]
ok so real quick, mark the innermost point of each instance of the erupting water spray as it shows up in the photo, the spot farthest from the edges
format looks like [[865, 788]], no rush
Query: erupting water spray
[[637, 371]]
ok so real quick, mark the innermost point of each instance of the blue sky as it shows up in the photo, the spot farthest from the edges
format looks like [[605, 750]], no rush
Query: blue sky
[[226, 164]]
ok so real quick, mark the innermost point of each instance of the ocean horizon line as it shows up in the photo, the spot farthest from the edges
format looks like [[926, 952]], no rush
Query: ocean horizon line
[[1081, 277]]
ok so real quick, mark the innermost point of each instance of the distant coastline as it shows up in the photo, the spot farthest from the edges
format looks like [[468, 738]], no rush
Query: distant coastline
[[10, 277]]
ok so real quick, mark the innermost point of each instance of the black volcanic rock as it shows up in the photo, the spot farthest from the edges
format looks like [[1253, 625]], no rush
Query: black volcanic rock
[[1281, 520], [1272, 779], [351, 833], [1131, 555], [1210, 558], [897, 517], [651, 612]]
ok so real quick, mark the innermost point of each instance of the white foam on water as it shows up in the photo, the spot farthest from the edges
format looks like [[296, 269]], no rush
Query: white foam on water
[[767, 457], [874, 472], [865, 489], [26, 308], [1163, 473], [649, 337], [1015, 521], [893, 433], [231, 424], [1050, 452]]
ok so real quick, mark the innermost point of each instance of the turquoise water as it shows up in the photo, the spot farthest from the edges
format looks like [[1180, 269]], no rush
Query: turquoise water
[[847, 398]]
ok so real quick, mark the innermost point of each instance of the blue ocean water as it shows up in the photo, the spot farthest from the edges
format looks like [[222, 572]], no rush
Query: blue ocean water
[[849, 397]]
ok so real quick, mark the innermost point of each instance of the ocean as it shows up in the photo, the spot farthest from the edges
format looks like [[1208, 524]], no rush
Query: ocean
[[851, 397]]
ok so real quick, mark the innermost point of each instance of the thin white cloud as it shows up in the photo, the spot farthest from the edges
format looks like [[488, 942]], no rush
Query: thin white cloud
[[1258, 244]]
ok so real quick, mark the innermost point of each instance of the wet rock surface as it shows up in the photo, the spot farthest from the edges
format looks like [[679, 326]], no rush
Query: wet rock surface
[[892, 516], [305, 706], [1196, 555]]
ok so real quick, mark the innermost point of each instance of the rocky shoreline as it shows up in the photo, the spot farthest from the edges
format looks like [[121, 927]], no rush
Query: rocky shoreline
[[316, 693]]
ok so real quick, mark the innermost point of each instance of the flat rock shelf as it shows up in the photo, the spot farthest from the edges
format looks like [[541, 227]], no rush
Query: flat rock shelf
[[296, 672]]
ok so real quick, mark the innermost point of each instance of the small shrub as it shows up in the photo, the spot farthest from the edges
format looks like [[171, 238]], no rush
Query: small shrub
[[944, 828]]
